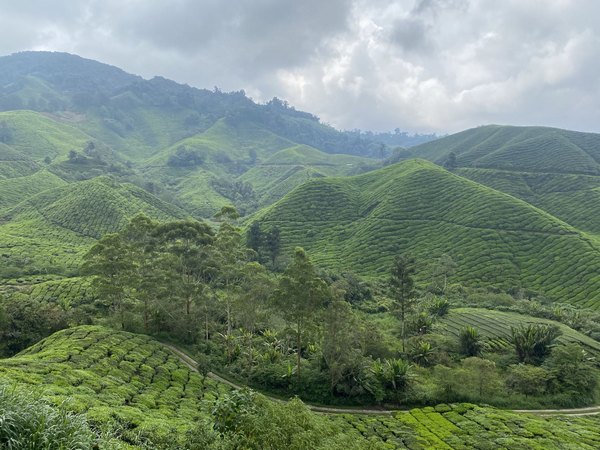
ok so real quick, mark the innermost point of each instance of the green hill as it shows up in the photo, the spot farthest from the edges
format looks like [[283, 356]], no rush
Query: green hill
[[37, 136], [495, 327], [555, 170], [50, 231], [18, 189], [290, 167], [525, 149], [361, 222], [115, 377]]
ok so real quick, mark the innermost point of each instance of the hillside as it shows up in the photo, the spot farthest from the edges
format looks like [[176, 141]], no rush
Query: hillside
[[49, 232], [555, 170], [525, 149], [361, 222], [134, 388], [115, 376], [290, 167], [139, 117]]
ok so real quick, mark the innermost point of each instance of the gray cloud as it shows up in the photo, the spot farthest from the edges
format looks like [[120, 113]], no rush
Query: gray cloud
[[424, 65]]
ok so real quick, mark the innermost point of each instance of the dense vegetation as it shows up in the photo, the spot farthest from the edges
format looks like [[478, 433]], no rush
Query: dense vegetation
[[411, 286], [361, 222]]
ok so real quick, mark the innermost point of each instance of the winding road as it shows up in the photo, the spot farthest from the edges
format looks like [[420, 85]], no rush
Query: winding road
[[193, 365]]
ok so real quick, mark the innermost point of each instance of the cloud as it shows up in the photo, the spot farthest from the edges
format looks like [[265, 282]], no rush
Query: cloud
[[420, 65]]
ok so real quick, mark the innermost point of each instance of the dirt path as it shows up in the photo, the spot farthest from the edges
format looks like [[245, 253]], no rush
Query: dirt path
[[192, 365]]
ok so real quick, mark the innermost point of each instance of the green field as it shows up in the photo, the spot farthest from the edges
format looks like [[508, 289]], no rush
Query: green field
[[117, 378], [495, 327], [361, 222], [465, 426]]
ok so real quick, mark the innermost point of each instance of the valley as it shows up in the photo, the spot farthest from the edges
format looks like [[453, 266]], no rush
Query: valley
[[187, 268]]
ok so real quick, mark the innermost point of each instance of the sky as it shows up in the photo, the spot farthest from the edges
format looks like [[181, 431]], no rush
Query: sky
[[418, 65]]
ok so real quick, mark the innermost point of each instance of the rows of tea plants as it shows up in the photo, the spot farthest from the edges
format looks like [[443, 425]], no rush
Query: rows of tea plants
[[572, 198], [467, 426], [495, 327], [115, 377], [362, 222], [66, 292]]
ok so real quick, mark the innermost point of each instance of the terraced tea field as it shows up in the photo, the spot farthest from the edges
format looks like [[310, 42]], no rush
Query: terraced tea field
[[361, 222], [115, 376], [495, 326], [526, 149], [49, 232], [466, 426], [291, 167]]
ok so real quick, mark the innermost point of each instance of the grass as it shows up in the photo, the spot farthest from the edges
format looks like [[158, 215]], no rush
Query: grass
[[495, 327], [361, 222]]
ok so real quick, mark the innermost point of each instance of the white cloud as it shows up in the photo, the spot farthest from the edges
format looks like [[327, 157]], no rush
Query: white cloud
[[421, 65]]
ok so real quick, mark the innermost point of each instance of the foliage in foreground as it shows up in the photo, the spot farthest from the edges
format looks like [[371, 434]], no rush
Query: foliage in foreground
[[28, 423]]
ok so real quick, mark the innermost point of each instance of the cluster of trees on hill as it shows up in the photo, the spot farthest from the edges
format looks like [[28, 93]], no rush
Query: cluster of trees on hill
[[311, 332]]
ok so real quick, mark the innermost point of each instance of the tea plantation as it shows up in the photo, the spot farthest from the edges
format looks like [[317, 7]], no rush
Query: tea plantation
[[130, 383], [495, 326], [361, 222]]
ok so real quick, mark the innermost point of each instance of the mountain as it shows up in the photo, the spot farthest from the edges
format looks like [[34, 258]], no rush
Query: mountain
[[137, 116], [362, 222], [555, 170]]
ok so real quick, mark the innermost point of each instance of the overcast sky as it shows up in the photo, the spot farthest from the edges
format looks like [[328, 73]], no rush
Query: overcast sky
[[420, 65]]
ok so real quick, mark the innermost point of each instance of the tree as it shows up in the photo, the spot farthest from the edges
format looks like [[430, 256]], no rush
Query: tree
[[443, 267], [190, 245], [481, 375], [469, 342], [273, 244], [450, 161], [402, 288], [6, 133], [254, 237], [572, 372], [299, 296], [528, 380], [110, 261], [340, 346], [533, 342]]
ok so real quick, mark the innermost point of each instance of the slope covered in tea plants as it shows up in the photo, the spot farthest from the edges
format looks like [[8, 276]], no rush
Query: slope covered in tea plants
[[50, 231], [362, 222], [525, 149], [495, 327], [115, 377], [466, 426], [291, 167], [573, 198]]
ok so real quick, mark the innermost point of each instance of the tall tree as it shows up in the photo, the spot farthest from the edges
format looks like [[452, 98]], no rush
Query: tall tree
[[190, 245], [340, 339], [254, 238], [273, 244], [110, 260], [402, 289], [299, 296]]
